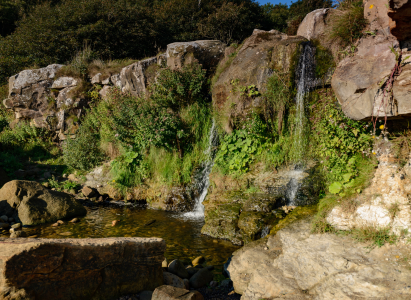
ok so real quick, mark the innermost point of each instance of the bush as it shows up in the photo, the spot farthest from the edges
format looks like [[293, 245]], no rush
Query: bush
[[83, 152], [348, 22]]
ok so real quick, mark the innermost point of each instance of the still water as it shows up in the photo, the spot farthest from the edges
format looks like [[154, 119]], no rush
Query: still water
[[182, 235]]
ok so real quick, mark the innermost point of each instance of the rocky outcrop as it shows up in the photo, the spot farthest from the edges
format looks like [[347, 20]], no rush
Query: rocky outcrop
[[30, 203], [98, 268], [358, 78], [254, 63], [384, 204], [314, 24], [135, 78], [207, 53], [243, 217], [294, 264]]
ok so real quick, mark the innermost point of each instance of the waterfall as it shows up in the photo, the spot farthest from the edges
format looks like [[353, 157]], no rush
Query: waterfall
[[202, 180], [305, 77]]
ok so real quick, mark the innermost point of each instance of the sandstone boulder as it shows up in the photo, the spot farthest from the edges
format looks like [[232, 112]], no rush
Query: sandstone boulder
[[207, 53], [167, 292], [32, 203], [314, 24], [261, 53], [97, 268], [295, 264]]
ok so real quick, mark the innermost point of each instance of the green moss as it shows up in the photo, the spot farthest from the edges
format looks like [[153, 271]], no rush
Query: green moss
[[298, 213], [324, 60]]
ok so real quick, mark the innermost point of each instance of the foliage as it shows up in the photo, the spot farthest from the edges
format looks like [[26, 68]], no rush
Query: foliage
[[129, 169], [179, 88], [277, 15], [228, 22], [83, 152], [239, 149], [64, 185], [348, 22]]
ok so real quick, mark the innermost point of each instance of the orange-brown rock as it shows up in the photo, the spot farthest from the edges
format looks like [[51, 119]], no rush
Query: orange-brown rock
[[104, 269]]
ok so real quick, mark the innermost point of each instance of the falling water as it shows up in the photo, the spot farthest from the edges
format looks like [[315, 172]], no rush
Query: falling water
[[305, 76], [201, 180]]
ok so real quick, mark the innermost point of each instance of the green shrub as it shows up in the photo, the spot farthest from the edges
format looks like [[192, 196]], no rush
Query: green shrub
[[348, 22], [83, 152]]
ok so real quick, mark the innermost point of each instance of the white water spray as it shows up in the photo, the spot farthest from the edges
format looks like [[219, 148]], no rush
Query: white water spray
[[202, 180]]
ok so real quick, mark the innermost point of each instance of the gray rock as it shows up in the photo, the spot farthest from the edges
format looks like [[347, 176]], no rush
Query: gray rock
[[106, 81], [166, 292], [96, 79], [146, 295], [226, 283], [201, 278], [89, 192], [186, 284], [191, 271], [177, 268], [4, 218], [64, 82], [4, 225], [136, 77], [35, 204], [314, 24], [104, 92], [173, 280]]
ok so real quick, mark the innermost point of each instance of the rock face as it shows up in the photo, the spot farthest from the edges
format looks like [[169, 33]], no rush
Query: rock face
[[358, 77], [295, 264], [135, 78], [207, 53], [31, 203], [254, 63], [384, 204], [98, 268], [400, 14], [357, 80], [241, 218], [314, 24]]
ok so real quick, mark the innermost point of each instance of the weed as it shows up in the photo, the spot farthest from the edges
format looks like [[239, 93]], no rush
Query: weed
[[377, 236], [393, 210]]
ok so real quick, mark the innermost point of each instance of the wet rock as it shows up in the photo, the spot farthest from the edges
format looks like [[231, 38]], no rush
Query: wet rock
[[89, 192], [11, 220], [35, 204], [4, 225], [213, 284], [254, 63], [119, 266], [201, 278], [198, 260], [115, 222], [166, 292], [173, 280], [191, 271], [226, 283], [165, 263], [55, 225], [176, 267], [18, 234], [149, 222], [186, 284], [75, 220], [60, 222], [146, 295], [4, 218]]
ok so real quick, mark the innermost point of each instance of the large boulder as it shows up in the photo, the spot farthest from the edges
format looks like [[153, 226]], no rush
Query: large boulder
[[295, 264], [260, 54], [207, 53], [32, 203], [136, 77], [314, 24], [103, 269]]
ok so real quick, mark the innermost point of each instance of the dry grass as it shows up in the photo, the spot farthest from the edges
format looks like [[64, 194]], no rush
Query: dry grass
[[108, 68]]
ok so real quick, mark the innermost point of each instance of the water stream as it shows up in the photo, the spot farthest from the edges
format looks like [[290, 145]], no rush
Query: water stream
[[202, 180], [305, 76]]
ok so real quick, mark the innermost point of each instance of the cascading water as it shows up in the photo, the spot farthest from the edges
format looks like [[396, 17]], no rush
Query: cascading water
[[305, 77], [201, 180]]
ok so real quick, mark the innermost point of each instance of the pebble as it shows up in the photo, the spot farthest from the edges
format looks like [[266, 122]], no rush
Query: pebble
[[75, 220], [60, 222], [16, 226], [55, 224], [11, 220], [5, 218], [114, 223]]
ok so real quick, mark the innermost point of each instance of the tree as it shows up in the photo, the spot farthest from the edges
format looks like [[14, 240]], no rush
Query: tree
[[277, 16]]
